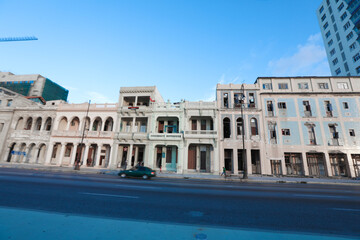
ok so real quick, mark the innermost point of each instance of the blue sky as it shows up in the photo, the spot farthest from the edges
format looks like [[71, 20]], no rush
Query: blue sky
[[183, 47]]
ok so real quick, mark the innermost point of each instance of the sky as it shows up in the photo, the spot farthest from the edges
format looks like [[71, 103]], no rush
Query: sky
[[92, 48]]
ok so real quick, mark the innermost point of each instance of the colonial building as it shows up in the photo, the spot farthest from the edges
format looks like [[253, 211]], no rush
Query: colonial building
[[303, 126]]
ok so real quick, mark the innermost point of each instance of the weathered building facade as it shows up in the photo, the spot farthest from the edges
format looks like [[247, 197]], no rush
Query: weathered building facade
[[303, 126]]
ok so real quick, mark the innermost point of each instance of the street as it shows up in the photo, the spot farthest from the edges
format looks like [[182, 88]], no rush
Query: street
[[330, 210]]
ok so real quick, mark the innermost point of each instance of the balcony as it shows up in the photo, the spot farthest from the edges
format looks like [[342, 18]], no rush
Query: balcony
[[88, 134], [200, 134], [165, 136]]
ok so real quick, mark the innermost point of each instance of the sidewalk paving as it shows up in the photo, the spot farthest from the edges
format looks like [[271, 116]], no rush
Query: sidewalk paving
[[205, 176]]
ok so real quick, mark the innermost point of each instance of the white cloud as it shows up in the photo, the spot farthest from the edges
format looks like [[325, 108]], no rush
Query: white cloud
[[309, 60], [96, 97]]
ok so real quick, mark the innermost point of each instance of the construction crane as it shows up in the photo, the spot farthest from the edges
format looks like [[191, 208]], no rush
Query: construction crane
[[12, 39]]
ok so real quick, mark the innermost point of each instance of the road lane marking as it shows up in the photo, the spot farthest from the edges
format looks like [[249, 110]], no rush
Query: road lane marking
[[346, 209], [108, 195], [318, 196], [144, 187]]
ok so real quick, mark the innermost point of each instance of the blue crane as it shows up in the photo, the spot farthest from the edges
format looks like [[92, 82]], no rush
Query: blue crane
[[12, 39]]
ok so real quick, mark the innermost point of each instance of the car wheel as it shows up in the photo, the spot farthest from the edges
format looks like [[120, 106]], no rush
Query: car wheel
[[123, 175], [145, 177]]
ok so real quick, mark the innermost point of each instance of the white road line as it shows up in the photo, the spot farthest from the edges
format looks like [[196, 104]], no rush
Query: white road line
[[108, 195], [318, 196], [144, 187], [346, 209]]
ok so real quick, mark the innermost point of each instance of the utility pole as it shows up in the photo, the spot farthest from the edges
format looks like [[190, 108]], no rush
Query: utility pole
[[245, 175], [78, 162]]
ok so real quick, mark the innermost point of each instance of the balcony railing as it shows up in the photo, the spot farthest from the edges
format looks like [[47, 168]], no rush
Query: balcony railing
[[165, 136], [201, 132]]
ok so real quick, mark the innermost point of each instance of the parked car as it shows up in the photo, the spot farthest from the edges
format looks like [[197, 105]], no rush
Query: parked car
[[144, 172]]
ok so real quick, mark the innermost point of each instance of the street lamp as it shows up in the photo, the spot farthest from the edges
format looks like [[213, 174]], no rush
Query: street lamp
[[78, 162], [245, 175]]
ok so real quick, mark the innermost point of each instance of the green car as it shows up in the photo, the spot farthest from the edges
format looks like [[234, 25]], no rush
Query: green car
[[144, 172]]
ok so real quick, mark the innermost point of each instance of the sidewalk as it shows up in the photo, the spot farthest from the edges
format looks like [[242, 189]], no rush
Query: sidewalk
[[204, 176]]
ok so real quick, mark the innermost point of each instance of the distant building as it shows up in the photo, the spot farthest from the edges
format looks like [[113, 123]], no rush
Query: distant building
[[33, 86], [339, 22]]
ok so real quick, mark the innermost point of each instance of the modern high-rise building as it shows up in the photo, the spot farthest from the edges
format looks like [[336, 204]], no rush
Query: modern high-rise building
[[339, 22], [33, 86]]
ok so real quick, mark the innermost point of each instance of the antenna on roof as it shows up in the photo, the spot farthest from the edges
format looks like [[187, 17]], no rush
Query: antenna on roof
[[12, 39]]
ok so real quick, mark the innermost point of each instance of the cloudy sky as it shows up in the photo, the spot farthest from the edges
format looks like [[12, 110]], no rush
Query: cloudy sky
[[185, 48]]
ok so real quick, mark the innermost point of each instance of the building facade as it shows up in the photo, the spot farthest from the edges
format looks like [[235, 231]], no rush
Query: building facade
[[303, 126], [339, 22]]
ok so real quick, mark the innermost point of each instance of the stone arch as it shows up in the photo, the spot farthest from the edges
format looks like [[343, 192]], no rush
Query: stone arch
[[20, 124], [109, 123], [40, 156], [38, 124], [11, 149], [96, 126], [30, 155], [28, 123], [48, 124], [226, 127], [74, 124], [63, 123]]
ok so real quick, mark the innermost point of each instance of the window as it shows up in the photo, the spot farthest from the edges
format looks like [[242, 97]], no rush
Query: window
[[335, 27], [282, 105], [254, 127], [343, 16], [332, 18], [303, 85], [251, 100], [283, 86], [325, 25], [226, 100], [352, 46], [342, 85], [346, 105], [343, 56], [9, 102], [239, 123], [349, 36], [328, 2], [356, 57], [338, 71], [332, 52], [338, 36], [307, 109], [267, 86], [346, 26], [330, 10], [352, 132], [226, 128], [285, 131], [328, 108], [327, 34], [193, 125], [340, 46], [323, 17], [323, 85], [335, 61], [330, 42], [270, 108], [358, 69], [311, 133], [341, 7], [346, 67], [321, 9], [67, 151]]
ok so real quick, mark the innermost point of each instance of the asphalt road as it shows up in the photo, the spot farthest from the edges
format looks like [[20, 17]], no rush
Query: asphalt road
[[301, 208]]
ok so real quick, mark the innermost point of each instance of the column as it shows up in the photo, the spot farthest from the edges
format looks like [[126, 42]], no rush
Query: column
[[6, 154], [129, 155], [163, 159], [98, 154], [61, 156], [85, 156], [327, 164], [36, 153], [27, 154], [248, 161], [182, 158], [236, 161], [197, 158], [350, 165], [114, 156], [49, 153], [73, 154], [304, 162]]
